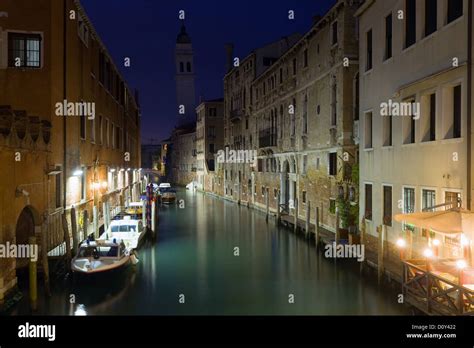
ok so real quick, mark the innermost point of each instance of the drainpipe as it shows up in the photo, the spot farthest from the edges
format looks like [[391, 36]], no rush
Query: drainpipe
[[65, 18], [469, 104]]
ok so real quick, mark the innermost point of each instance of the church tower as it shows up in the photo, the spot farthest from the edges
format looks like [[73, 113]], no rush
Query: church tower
[[185, 91]]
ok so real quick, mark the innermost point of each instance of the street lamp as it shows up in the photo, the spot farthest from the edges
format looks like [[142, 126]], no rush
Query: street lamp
[[77, 172], [461, 265], [436, 244], [428, 254], [401, 244]]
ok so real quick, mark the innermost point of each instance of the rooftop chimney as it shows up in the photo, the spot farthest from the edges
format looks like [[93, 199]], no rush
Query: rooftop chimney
[[229, 48]]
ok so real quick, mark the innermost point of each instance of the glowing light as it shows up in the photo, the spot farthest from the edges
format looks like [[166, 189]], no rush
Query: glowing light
[[96, 185], [461, 264], [428, 253], [104, 184], [401, 243], [112, 170], [436, 242], [464, 240], [77, 172], [80, 310]]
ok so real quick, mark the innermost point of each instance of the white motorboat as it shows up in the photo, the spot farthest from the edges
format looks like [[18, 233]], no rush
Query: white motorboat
[[100, 256], [129, 230]]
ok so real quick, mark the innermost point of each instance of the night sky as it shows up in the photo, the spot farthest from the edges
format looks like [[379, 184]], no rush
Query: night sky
[[146, 30]]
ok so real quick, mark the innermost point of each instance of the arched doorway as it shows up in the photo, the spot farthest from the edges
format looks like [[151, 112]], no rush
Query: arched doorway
[[26, 224]]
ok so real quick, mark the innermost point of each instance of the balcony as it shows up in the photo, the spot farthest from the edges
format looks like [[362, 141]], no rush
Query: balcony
[[236, 116], [267, 138]]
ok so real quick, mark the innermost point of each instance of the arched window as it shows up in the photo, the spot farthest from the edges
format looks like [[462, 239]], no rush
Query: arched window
[[188, 67]]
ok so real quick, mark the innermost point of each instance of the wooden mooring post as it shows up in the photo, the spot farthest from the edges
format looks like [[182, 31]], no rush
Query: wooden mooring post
[[67, 240], [308, 217], [337, 237], [267, 204], [33, 275], [75, 239], [278, 208], [380, 258], [316, 227], [362, 240], [296, 216], [44, 257]]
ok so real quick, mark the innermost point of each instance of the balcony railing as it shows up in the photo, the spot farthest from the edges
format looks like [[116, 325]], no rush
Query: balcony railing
[[267, 138]]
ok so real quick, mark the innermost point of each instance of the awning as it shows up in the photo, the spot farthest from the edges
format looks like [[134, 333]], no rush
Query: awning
[[446, 221]]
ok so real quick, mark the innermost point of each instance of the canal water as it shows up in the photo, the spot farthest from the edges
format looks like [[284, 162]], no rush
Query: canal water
[[194, 256]]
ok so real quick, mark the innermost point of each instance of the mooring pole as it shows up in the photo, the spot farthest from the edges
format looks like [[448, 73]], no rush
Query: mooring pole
[[33, 273], [267, 203], [75, 241], [296, 215], [308, 216], [44, 257], [316, 227]]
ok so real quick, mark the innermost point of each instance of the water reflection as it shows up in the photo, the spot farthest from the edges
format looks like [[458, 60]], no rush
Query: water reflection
[[193, 255]]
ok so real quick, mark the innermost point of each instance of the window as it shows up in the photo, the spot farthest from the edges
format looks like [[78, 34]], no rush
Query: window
[[112, 134], [334, 33], [333, 163], [387, 205], [388, 37], [408, 200], [428, 199], [431, 16], [188, 67], [430, 122], [24, 50], [263, 191], [387, 130], [181, 67], [101, 133], [409, 126], [334, 102], [368, 201], [332, 206], [93, 130], [107, 134], [454, 9], [452, 197], [211, 148], [294, 66], [305, 58], [212, 131], [82, 126], [457, 112], [83, 183], [304, 197], [410, 23], [58, 182], [368, 130], [368, 63], [305, 164], [117, 137], [212, 112], [281, 75], [305, 115], [318, 161], [83, 31]]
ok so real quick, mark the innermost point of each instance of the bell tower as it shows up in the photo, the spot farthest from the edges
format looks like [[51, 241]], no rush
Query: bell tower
[[185, 88]]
